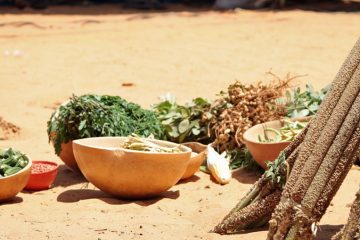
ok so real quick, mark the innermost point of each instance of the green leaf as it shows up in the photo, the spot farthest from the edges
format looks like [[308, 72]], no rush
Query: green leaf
[[200, 101], [82, 124], [167, 121], [195, 131], [184, 125], [174, 132]]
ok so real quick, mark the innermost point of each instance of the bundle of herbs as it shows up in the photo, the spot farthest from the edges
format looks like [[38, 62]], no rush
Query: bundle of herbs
[[183, 123], [94, 115]]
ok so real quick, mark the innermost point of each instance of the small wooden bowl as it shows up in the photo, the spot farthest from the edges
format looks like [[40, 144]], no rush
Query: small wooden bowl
[[195, 160], [266, 151], [10, 186]]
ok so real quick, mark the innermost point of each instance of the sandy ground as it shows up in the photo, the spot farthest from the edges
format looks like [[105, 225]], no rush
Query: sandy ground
[[45, 57]]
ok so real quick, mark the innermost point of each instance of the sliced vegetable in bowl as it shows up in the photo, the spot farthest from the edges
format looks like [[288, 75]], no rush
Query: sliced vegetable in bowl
[[137, 143], [276, 139], [286, 133], [11, 162], [15, 168]]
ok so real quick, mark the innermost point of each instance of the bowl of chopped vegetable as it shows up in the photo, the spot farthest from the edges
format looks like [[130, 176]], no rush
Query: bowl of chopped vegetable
[[15, 170], [43, 174], [198, 156], [265, 141], [131, 167]]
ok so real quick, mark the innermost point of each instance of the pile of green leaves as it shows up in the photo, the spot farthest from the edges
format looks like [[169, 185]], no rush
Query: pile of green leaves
[[182, 123], [94, 115], [11, 162], [304, 103]]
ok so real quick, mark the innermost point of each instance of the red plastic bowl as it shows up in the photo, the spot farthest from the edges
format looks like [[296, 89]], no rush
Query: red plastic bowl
[[43, 179]]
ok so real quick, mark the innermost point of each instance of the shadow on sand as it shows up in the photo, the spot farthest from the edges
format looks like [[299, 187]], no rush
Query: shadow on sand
[[325, 232], [67, 177], [14, 200], [76, 195], [245, 176]]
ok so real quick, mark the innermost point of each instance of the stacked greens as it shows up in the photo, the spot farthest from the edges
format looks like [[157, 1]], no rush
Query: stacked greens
[[11, 162], [94, 115]]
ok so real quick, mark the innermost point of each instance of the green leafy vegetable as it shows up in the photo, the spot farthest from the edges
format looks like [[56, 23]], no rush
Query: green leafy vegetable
[[182, 123], [306, 103], [95, 115], [11, 162]]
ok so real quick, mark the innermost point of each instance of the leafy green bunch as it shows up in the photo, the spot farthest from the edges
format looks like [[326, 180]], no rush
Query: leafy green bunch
[[94, 115], [306, 103], [182, 123]]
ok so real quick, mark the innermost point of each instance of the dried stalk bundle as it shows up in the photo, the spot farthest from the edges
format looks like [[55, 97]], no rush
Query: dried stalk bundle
[[318, 161], [352, 229], [244, 106], [256, 207], [326, 155]]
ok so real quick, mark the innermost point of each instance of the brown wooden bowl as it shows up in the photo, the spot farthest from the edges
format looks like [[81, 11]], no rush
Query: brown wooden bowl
[[10, 186], [197, 158], [263, 152], [129, 173], [67, 156]]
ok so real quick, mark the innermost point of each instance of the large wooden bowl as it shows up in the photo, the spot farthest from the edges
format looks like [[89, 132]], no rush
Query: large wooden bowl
[[127, 173], [10, 186], [263, 152]]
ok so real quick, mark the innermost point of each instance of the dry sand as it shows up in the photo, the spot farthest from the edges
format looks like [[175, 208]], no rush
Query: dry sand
[[45, 57]]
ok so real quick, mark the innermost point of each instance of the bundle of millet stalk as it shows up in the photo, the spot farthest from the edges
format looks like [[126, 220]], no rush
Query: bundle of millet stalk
[[300, 184]]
